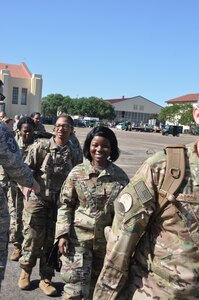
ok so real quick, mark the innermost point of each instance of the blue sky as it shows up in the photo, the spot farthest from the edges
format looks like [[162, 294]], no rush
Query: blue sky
[[105, 48]]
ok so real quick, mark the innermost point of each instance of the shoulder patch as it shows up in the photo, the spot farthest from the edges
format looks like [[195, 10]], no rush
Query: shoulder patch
[[125, 202], [142, 192], [11, 143]]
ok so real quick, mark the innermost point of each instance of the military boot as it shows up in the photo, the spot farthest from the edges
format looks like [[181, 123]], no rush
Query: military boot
[[16, 252], [47, 287], [24, 280]]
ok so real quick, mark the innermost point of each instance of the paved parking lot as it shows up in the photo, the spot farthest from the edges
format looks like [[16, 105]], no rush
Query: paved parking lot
[[135, 148]]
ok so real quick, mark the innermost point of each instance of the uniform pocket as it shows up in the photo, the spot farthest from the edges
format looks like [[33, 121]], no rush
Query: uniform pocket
[[72, 265]]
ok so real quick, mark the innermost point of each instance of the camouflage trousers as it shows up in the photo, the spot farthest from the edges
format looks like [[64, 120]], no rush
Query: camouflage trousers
[[39, 230], [80, 270], [4, 230], [15, 205], [147, 286]]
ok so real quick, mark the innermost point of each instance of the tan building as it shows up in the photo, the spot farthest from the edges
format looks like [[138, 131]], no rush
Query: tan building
[[23, 90], [135, 109]]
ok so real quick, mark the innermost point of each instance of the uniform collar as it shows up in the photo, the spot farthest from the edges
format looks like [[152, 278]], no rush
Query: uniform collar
[[55, 146], [89, 169]]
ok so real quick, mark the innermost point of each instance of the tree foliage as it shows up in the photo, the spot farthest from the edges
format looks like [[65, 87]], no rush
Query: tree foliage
[[54, 104], [177, 114], [51, 104]]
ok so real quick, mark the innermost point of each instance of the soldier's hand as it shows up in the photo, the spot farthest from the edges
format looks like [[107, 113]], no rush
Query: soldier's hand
[[63, 245], [35, 188]]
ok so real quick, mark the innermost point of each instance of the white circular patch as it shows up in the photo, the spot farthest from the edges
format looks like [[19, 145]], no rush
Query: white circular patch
[[127, 201]]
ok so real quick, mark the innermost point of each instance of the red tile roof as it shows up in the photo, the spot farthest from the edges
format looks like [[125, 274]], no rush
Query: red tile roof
[[185, 98], [17, 71]]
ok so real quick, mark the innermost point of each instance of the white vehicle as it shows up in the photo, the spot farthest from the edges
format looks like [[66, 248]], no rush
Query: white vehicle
[[121, 126]]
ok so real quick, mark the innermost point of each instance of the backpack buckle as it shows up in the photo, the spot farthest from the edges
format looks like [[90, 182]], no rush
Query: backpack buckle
[[175, 173]]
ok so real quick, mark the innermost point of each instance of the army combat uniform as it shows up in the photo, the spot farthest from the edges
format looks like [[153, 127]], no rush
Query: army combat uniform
[[86, 208], [161, 260], [14, 166], [15, 204], [50, 164], [40, 128]]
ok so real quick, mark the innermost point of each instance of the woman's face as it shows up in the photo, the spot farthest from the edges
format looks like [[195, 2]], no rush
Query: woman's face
[[63, 129], [10, 124], [37, 119], [100, 150], [26, 133]]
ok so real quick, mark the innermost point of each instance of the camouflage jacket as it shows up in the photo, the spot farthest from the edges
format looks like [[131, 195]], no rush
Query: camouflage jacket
[[51, 164], [161, 261], [12, 163], [39, 128], [11, 160], [76, 145], [4, 178], [87, 203], [22, 147]]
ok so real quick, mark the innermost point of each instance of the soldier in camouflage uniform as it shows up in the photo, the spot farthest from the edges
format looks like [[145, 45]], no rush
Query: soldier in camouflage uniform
[[86, 208], [12, 162], [160, 261], [38, 126], [24, 139], [51, 161]]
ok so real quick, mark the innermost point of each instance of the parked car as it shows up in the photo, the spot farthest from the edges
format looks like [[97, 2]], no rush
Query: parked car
[[147, 128], [172, 129], [194, 130], [121, 126], [78, 123]]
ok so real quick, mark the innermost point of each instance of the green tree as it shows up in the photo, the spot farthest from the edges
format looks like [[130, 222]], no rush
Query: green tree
[[51, 104], [91, 107], [67, 106], [177, 114], [186, 117], [169, 113], [96, 107]]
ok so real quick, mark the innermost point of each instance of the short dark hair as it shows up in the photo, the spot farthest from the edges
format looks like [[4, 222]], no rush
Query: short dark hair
[[34, 114], [25, 120], [106, 133], [67, 117]]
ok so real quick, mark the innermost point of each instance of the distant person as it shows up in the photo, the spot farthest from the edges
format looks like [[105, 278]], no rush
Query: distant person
[[38, 126], [16, 120], [86, 207]]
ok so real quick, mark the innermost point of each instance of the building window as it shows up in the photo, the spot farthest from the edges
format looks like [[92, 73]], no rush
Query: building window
[[15, 95], [141, 107], [135, 107], [24, 93]]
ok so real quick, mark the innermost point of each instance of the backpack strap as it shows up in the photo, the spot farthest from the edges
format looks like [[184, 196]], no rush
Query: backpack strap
[[174, 175], [175, 171]]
